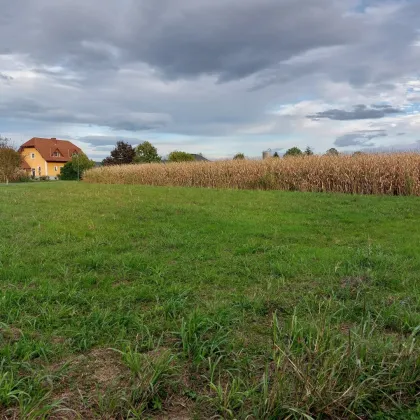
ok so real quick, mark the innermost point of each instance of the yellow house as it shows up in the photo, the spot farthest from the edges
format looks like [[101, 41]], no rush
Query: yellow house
[[45, 157]]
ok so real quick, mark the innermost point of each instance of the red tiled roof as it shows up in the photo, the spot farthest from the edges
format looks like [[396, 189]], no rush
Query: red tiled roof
[[24, 164], [46, 148]]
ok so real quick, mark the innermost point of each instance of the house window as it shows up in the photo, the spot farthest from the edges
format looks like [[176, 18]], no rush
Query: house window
[[32, 155], [55, 168], [56, 154], [39, 170]]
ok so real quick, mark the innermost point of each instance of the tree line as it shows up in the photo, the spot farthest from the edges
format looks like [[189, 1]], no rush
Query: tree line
[[295, 151], [125, 153], [145, 152]]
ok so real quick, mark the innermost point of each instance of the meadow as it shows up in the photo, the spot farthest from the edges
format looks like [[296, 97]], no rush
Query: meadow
[[139, 302], [388, 174]]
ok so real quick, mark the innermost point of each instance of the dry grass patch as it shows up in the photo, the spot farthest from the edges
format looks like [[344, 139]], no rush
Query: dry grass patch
[[88, 379], [9, 333]]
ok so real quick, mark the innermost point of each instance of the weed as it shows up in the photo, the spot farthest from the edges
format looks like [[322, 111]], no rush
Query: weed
[[201, 337]]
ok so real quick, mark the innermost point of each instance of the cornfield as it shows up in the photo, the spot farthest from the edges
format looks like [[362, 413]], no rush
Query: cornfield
[[391, 174]]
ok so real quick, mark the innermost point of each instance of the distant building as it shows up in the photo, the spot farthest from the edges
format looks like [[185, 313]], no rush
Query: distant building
[[45, 157], [199, 158]]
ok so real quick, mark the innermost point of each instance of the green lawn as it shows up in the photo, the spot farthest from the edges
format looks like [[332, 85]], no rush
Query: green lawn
[[122, 301]]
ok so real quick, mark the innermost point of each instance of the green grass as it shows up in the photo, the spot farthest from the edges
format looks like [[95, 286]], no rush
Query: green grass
[[123, 301]]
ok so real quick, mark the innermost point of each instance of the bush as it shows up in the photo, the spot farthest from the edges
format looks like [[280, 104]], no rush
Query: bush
[[177, 156], [19, 176], [239, 156], [24, 178], [294, 151], [67, 172]]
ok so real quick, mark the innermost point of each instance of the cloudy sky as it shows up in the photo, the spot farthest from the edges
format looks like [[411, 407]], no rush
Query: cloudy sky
[[212, 76]]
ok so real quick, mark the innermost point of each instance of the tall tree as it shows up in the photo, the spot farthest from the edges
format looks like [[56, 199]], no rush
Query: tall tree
[[239, 156], [10, 160], [177, 156], [121, 155], [276, 155], [332, 152], [4, 142], [81, 163], [308, 151], [75, 168], [146, 153], [294, 151]]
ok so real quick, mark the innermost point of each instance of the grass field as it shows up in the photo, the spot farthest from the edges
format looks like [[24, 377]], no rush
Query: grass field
[[123, 301]]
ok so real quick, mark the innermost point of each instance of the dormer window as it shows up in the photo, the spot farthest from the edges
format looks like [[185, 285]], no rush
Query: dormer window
[[56, 154]]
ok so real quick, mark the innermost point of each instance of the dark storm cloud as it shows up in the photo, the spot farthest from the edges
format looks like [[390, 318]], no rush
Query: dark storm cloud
[[228, 38], [182, 38], [402, 147], [129, 121], [104, 148], [360, 138], [359, 112], [152, 64], [107, 141], [234, 39], [5, 77]]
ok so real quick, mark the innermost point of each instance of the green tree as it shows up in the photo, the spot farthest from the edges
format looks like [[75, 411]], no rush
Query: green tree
[[178, 156], [67, 172], [146, 153], [74, 169], [10, 160], [276, 155], [239, 156], [122, 154], [332, 152], [81, 163], [355, 154], [308, 151], [294, 151]]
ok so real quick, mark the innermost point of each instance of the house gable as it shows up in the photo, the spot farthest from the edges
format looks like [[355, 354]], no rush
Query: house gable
[[52, 150]]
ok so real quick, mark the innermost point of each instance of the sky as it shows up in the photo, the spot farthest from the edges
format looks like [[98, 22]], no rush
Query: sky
[[215, 77]]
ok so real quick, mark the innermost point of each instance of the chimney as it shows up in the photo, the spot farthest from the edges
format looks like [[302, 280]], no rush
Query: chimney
[[55, 140]]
